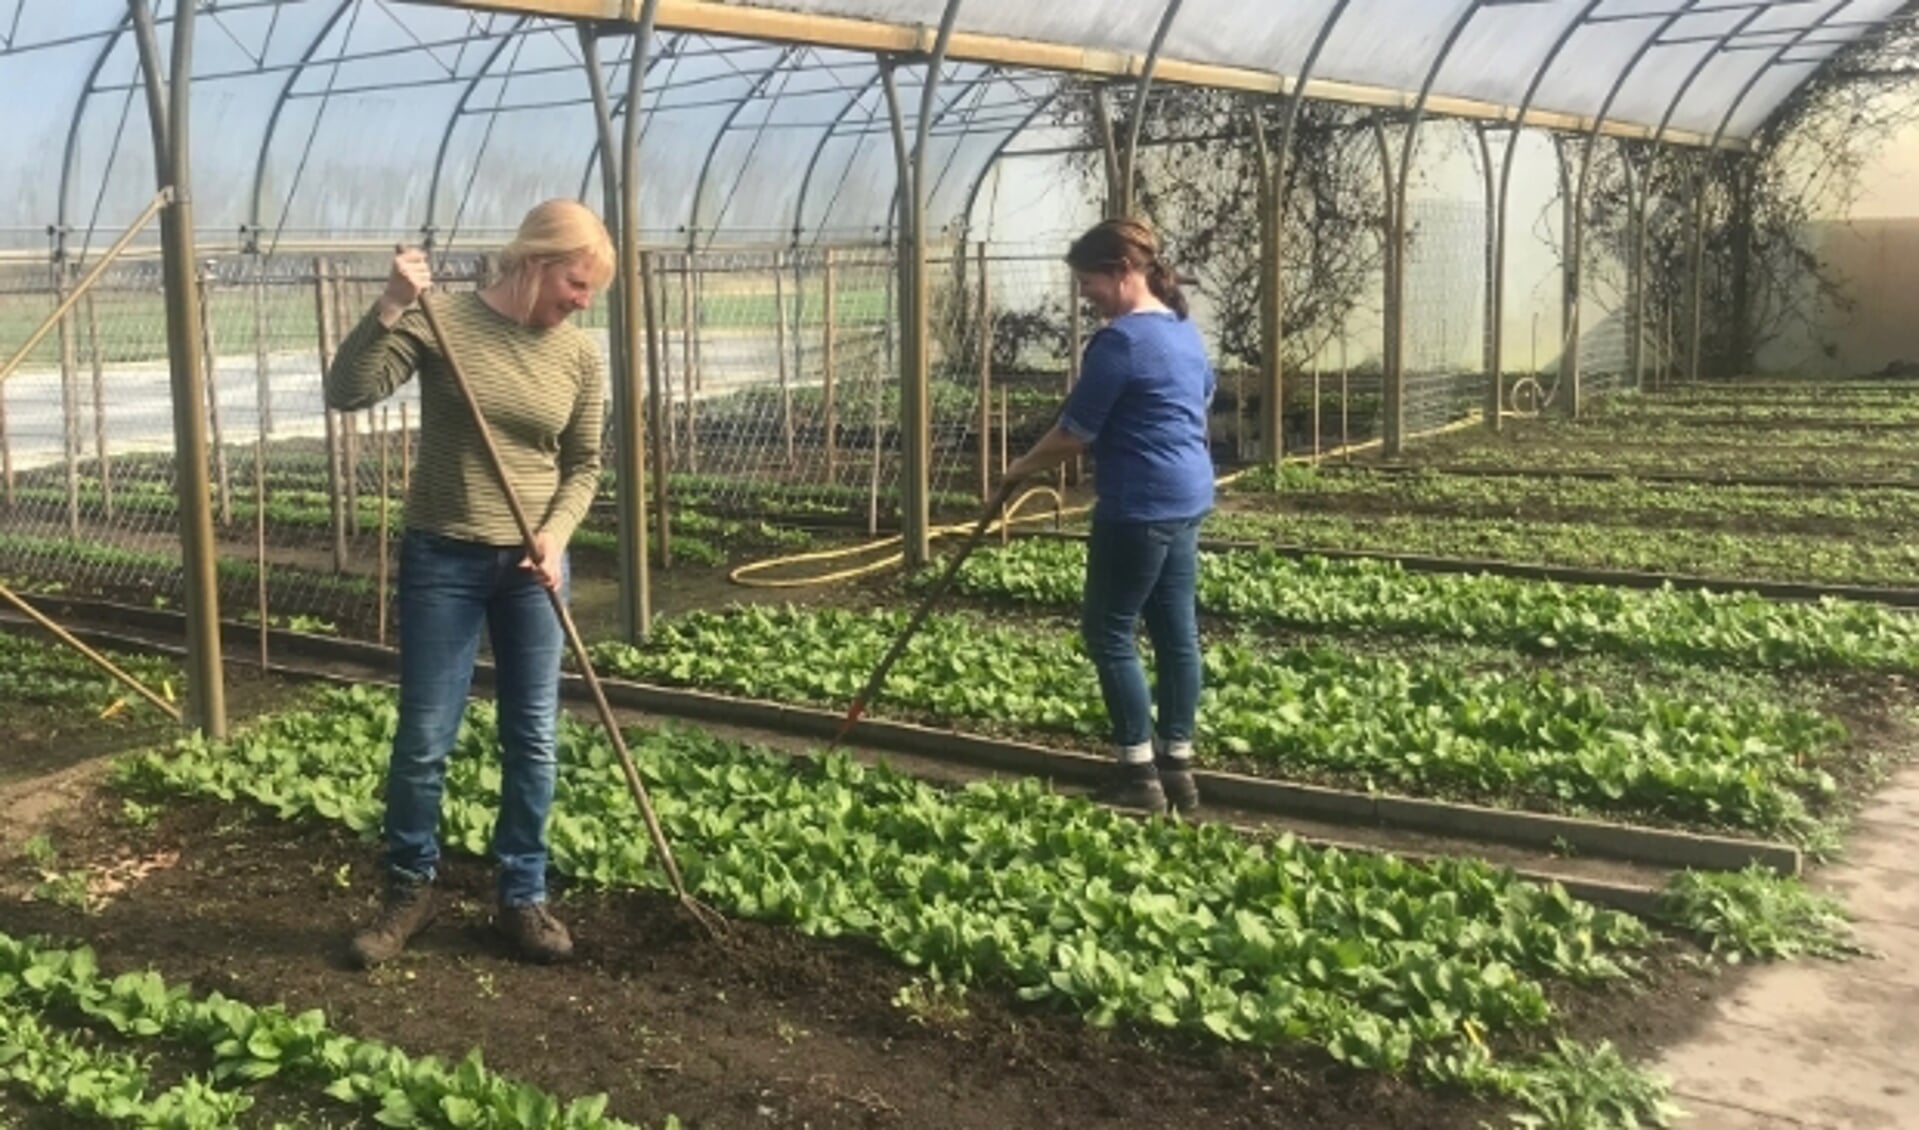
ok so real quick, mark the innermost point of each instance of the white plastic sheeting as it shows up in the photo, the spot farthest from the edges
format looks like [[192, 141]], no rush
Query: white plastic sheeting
[[336, 118]]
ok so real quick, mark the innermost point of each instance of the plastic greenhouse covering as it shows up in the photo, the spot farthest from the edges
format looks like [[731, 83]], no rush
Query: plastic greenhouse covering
[[767, 122]]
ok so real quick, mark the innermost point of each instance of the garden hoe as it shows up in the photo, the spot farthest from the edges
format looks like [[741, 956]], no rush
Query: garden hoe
[[871, 690], [705, 915]]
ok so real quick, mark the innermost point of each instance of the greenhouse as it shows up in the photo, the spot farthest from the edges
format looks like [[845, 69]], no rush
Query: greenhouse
[[1551, 604]]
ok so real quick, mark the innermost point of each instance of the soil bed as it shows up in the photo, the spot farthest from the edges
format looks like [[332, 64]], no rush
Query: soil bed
[[768, 1029]]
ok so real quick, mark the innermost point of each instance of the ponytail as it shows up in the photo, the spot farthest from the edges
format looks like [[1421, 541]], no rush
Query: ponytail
[[1163, 281], [1117, 245]]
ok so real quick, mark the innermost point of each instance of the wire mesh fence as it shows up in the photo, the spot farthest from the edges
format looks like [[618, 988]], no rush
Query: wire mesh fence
[[776, 400]]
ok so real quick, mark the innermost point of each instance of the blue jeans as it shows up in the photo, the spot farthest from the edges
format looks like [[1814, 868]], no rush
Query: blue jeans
[[448, 588], [1149, 569]]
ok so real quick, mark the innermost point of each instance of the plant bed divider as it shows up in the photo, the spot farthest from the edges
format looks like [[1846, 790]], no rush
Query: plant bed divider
[[1469, 470], [1563, 574], [1544, 831]]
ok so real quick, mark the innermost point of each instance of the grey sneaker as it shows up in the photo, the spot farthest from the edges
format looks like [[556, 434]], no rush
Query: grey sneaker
[[1134, 786], [536, 935], [1176, 780], [407, 909]]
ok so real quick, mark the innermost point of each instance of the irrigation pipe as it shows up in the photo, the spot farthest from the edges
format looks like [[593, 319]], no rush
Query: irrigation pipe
[[748, 575], [97, 659], [705, 915]]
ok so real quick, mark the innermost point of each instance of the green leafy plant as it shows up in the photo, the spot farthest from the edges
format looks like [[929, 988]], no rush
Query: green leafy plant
[[1383, 964], [1315, 712], [1261, 586], [1757, 913]]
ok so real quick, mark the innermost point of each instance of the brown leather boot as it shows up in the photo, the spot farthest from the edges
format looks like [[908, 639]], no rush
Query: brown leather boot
[[407, 909], [1176, 779], [536, 935]]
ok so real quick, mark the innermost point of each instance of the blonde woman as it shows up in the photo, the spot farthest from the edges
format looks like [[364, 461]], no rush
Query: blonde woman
[[537, 378]]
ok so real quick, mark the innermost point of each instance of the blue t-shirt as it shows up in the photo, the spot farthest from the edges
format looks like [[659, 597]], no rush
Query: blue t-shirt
[[1140, 407]]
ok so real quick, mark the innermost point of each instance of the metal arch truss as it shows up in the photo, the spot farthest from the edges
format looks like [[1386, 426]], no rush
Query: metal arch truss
[[733, 28]]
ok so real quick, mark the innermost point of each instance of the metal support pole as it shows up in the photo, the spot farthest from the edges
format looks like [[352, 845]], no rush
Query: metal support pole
[[983, 326], [785, 374], [658, 414], [631, 458], [1636, 271], [828, 361], [1272, 298], [1391, 376], [1572, 238], [348, 424], [1273, 243], [262, 368], [1494, 299], [1130, 166], [323, 319], [102, 465], [69, 394], [689, 373], [223, 476], [386, 527], [1075, 342], [1696, 289], [168, 112], [1115, 202], [629, 516]]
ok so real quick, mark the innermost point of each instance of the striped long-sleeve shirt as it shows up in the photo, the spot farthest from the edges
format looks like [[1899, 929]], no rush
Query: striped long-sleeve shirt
[[541, 392]]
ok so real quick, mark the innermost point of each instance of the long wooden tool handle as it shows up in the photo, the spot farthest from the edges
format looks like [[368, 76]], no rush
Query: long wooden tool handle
[[591, 678], [871, 691]]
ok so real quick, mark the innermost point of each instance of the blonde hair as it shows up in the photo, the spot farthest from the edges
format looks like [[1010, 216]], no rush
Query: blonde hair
[[555, 231]]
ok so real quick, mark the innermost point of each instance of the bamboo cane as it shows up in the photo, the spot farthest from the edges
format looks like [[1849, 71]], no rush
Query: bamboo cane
[[260, 535], [98, 660], [385, 525]]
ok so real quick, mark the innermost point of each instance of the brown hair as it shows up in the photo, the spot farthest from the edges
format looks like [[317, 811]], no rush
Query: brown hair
[[1115, 245]]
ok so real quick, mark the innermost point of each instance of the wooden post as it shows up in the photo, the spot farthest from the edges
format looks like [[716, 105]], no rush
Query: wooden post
[[263, 404], [323, 316], [779, 338], [260, 536], [1239, 413], [873, 495], [827, 365], [657, 419], [1005, 429], [211, 364], [688, 375], [1315, 412], [660, 292], [1345, 436], [385, 503], [406, 453], [6, 451], [983, 327], [69, 400], [1073, 329], [103, 470], [349, 423]]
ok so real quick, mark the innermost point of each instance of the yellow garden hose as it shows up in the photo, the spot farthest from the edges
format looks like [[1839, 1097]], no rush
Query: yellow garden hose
[[748, 575]]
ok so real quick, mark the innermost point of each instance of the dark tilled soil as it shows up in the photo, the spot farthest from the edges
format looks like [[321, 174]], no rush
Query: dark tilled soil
[[38, 740], [767, 1029]]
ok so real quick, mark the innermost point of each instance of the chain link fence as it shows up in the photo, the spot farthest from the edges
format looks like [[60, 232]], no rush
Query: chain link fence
[[777, 406]]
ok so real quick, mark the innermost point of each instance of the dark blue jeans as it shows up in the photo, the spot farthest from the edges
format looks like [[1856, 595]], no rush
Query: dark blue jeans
[[448, 590], [1148, 569]]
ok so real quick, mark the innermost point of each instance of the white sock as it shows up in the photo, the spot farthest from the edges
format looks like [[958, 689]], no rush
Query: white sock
[[1140, 754], [1174, 751]]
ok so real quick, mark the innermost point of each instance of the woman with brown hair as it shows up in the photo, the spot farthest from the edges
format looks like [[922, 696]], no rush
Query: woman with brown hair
[[1140, 409], [539, 384]]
